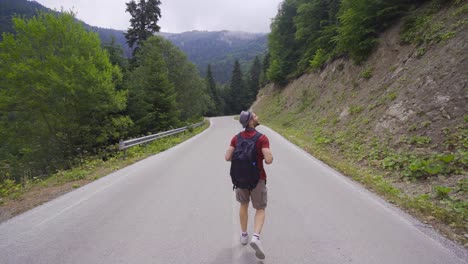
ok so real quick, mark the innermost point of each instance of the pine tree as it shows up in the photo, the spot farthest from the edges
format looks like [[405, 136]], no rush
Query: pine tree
[[254, 79], [213, 92], [192, 95], [283, 47], [311, 17], [152, 99], [145, 16], [116, 54], [117, 58], [265, 66]]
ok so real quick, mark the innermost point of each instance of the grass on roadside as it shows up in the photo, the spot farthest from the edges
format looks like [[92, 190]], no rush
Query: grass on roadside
[[93, 168], [449, 212], [344, 144]]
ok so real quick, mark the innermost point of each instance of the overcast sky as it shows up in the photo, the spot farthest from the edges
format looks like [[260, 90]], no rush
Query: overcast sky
[[178, 15]]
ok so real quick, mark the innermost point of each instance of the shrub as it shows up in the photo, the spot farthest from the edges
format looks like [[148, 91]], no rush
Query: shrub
[[9, 187], [420, 140], [367, 72], [319, 59], [356, 109], [442, 192], [420, 52]]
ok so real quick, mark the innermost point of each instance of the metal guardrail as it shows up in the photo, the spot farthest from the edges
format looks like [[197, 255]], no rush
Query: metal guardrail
[[146, 139]]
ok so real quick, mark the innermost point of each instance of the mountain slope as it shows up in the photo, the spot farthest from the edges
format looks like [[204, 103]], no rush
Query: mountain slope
[[398, 123], [9, 8], [220, 49]]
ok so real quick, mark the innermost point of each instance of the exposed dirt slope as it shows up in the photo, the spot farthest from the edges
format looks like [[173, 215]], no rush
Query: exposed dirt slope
[[402, 113]]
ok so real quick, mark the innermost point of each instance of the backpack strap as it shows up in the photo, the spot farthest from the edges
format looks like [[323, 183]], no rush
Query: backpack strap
[[257, 136], [239, 139], [254, 138]]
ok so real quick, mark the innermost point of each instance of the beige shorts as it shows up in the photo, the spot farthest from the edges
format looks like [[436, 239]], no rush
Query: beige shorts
[[258, 195]]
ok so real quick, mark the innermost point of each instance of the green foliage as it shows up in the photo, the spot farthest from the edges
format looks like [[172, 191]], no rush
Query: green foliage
[[192, 94], [62, 96], [457, 212], [462, 186], [307, 99], [216, 105], [323, 140], [306, 33], [265, 65], [356, 109], [253, 81], [420, 140], [239, 95], [412, 27], [419, 28], [441, 192], [283, 48], [71, 175], [116, 55], [145, 16], [425, 123], [314, 30], [392, 96], [274, 72], [357, 33], [319, 59], [367, 72], [152, 97], [457, 139], [8, 188], [421, 166], [57, 96]]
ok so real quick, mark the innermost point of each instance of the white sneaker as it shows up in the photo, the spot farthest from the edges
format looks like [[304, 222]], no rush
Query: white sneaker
[[244, 239], [257, 246]]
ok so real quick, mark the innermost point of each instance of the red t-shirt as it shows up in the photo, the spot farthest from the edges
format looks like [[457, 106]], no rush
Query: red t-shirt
[[262, 142]]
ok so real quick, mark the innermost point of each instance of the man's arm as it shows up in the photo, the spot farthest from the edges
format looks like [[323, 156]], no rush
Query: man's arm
[[229, 152], [267, 155]]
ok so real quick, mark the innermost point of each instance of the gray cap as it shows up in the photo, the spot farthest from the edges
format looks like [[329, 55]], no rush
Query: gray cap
[[245, 117]]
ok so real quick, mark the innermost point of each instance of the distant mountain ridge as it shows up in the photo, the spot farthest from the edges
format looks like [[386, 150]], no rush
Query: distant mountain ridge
[[218, 48]]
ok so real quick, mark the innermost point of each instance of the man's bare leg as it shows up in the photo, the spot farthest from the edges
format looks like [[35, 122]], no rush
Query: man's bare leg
[[244, 216], [255, 242], [259, 220]]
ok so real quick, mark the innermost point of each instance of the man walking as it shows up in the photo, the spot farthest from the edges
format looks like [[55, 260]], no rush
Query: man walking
[[258, 195]]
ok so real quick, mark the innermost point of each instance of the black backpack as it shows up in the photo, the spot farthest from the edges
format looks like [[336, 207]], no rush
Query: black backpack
[[244, 170]]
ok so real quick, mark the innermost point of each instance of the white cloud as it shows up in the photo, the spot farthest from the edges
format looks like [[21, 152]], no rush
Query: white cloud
[[179, 15]]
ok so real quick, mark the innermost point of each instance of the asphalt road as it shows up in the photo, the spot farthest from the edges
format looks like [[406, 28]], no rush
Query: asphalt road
[[178, 207]]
